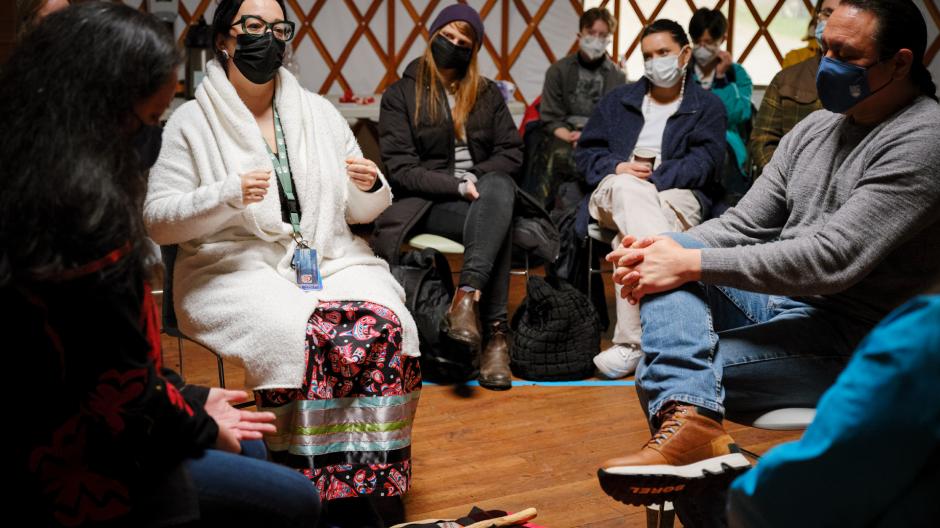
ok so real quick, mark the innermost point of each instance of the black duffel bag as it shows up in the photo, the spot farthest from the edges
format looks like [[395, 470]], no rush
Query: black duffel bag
[[429, 287], [556, 332]]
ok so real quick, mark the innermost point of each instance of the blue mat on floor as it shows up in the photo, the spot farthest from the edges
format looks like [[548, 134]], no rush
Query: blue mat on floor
[[583, 383]]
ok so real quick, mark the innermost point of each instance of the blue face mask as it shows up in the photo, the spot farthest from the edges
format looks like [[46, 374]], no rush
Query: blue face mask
[[820, 26], [842, 86]]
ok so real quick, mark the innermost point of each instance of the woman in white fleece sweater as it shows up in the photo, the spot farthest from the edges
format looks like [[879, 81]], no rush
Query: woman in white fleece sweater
[[337, 364]]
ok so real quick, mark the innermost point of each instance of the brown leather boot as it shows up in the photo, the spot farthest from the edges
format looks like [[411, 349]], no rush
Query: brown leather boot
[[494, 362], [462, 320], [689, 451]]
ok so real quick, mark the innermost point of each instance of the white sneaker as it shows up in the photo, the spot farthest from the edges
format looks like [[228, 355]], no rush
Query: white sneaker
[[618, 361]]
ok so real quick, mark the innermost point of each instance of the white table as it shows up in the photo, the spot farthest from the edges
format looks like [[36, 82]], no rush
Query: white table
[[354, 111]]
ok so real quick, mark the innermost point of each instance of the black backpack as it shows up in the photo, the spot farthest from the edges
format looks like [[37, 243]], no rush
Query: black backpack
[[429, 287], [556, 332]]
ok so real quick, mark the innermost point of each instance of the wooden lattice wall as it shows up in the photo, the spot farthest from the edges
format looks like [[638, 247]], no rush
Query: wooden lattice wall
[[363, 45]]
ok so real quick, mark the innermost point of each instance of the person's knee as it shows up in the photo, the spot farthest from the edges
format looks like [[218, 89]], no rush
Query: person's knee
[[236, 485], [254, 449], [627, 190], [560, 149], [295, 498], [629, 184], [498, 186], [306, 502]]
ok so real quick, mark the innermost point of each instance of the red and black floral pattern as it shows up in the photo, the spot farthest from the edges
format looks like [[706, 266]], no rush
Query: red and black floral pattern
[[353, 350]]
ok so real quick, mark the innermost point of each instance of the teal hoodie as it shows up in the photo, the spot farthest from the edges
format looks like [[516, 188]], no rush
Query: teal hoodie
[[735, 91]]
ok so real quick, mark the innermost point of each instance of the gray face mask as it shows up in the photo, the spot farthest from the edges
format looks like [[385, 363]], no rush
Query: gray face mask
[[593, 47]]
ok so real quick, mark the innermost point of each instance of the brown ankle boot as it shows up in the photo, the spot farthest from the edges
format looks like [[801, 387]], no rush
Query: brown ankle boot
[[462, 320], [689, 451], [494, 361]]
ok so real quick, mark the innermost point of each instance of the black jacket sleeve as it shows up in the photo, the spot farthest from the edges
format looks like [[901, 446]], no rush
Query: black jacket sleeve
[[594, 157], [161, 421], [194, 394], [93, 342], [507, 143]]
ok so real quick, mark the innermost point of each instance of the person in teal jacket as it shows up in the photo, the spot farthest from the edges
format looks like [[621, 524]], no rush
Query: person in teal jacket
[[872, 455], [715, 70]]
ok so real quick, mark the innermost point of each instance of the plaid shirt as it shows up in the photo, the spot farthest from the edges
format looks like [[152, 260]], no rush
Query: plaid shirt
[[790, 97]]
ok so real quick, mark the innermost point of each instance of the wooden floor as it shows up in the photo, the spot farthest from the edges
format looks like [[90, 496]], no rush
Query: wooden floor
[[530, 446]]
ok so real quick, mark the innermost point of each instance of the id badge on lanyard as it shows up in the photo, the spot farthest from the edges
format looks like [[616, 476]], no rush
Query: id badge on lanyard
[[308, 271], [305, 258]]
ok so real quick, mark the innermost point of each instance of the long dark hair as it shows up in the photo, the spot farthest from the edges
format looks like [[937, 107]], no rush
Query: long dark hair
[[72, 186], [901, 26]]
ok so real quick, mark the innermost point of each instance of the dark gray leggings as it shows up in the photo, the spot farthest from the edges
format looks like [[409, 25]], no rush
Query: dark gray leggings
[[484, 228]]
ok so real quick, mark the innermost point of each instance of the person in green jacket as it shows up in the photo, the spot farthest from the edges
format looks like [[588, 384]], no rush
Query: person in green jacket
[[715, 70]]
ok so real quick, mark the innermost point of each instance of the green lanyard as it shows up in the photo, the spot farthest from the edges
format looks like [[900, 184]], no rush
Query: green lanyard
[[282, 169]]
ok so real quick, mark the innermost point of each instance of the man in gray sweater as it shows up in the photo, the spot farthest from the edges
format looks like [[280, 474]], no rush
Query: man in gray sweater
[[761, 308]]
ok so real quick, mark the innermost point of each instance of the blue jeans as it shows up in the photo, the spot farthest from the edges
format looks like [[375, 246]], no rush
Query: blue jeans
[[247, 490], [739, 353]]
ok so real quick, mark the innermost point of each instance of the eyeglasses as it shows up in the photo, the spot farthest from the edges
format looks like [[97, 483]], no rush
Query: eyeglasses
[[254, 25]]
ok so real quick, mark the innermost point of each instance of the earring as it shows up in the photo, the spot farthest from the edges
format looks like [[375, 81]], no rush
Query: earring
[[225, 54]]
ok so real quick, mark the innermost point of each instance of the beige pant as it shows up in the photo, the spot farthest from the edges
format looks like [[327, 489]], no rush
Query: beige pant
[[633, 206]]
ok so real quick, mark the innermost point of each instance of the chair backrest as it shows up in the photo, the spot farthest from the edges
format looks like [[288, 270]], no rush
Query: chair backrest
[[790, 419], [169, 312]]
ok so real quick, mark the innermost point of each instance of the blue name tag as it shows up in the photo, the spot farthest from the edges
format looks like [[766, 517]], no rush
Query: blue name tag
[[308, 271]]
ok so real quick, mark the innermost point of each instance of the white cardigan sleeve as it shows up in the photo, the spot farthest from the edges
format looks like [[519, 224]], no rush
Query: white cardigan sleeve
[[177, 209], [362, 207]]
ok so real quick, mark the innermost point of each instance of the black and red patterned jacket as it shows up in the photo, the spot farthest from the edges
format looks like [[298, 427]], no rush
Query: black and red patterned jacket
[[99, 428]]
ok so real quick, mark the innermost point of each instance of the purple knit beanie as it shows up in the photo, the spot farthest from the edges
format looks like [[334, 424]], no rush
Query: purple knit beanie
[[459, 12]]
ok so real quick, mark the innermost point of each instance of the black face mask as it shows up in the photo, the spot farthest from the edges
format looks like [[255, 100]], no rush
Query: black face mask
[[448, 55], [258, 56], [147, 142]]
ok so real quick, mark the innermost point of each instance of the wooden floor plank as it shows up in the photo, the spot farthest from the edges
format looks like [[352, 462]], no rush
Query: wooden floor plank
[[528, 447]]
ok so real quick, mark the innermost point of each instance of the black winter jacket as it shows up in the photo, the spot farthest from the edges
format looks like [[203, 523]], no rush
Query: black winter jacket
[[419, 160]]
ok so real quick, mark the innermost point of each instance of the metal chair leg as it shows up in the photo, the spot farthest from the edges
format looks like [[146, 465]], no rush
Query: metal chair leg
[[179, 344], [218, 360], [660, 515], [590, 270]]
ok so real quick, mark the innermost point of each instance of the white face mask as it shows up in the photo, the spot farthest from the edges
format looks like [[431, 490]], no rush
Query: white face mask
[[593, 47], [664, 71], [704, 54]]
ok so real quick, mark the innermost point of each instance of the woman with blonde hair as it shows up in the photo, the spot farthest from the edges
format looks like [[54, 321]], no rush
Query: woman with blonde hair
[[451, 148]]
